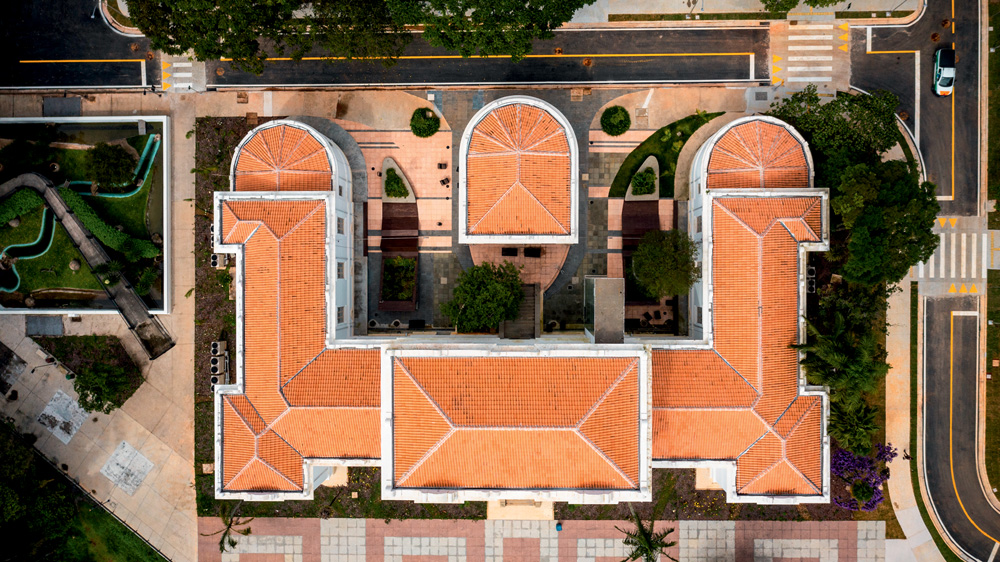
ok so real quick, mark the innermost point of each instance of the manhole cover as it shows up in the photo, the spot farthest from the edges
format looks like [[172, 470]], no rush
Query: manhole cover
[[935, 37], [558, 50], [945, 22], [220, 71], [760, 96], [904, 115], [588, 62], [134, 47]]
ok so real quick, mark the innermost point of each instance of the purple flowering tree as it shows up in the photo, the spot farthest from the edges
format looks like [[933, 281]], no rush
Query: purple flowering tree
[[864, 476]]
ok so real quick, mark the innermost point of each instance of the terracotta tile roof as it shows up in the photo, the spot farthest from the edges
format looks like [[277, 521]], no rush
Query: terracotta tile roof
[[740, 401], [283, 158], [755, 155], [300, 400], [494, 423], [518, 173]]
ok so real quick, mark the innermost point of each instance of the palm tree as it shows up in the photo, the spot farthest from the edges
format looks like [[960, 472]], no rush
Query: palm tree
[[842, 360], [231, 520], [645, 543], [852, 423]]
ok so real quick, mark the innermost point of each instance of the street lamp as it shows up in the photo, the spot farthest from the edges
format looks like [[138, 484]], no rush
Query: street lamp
[[94, 13]]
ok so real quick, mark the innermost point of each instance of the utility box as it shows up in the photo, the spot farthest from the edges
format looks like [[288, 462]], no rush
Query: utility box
[[604, 307]]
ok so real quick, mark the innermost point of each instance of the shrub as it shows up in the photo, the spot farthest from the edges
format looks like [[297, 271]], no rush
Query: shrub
[[394, 184], [111, 237], [644, 182], [864, 476], [780, 5], [424, 122], [105, 375], [19, 203], [485, 295], [664, 263], [110, 165], [399, 278], [615, 120]]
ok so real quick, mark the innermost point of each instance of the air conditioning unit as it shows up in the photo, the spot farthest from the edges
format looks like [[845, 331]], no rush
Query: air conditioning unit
[[219, 348], [219, 365], [810, 286], [220, 261]]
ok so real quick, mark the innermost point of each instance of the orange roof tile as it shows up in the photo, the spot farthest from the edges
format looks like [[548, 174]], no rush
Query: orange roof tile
[[518, 173], [740, 401], [300, 399], [488, 422], [283, 158], [755, 155]]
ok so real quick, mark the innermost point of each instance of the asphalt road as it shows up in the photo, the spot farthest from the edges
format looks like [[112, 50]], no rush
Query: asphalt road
[[952, 158], [951, 423], [62, 30], [587, 57]]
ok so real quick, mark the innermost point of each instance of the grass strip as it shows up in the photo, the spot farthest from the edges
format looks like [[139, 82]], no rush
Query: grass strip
[[993, 112], [701, 16], [992, 393], [949, 556]]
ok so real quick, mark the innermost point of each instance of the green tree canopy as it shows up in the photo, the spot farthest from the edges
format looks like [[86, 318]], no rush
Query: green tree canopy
[[889, 216], [485, 295], [110, 165], [664, 263], [852, 424], [487, 27]]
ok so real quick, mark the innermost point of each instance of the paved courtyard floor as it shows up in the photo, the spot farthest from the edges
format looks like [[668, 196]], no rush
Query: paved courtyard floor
[[357, 540]]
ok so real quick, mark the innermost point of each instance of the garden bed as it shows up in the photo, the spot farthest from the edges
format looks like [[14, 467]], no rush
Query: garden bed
[[665, 144], [85, 355], [398, 289]]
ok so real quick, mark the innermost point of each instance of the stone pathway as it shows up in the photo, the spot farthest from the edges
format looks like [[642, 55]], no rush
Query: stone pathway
[[357, 540]]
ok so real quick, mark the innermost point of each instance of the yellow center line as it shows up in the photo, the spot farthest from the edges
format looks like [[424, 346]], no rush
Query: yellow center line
[[79, 60], [591, 56], [951, 415]]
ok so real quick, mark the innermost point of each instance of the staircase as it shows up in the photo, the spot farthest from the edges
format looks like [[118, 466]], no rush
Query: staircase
[[528, 323]]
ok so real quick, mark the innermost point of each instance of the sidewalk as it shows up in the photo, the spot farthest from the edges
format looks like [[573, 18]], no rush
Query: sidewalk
[[357, 540], [918, 544], [602, 11]]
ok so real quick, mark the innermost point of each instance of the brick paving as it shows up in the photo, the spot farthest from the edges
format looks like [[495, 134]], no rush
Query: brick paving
[[416, 540]]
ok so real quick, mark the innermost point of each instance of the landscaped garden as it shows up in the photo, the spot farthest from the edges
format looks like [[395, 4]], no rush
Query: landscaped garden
[[47, 518], [665, 144], [105, 374], [111, 177]]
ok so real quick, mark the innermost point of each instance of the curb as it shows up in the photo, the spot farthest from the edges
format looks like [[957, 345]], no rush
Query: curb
[[115, 26]]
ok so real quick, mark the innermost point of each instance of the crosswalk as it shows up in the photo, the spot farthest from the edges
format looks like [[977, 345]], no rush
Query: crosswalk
[[960, 257], [809, 51], [180, 75]]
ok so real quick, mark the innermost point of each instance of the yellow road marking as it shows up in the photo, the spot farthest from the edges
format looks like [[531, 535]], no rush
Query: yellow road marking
[[165, 85], [776, 58], [775, 80], [78, 60], [775, 69], [591, 56], [167, 75], [951, 416], [942, 221], [973, 288], [964, 289], [952, 289], [845, 37], [165, 65], [952, 222], [843, 47], [844, 26], [952, 96]]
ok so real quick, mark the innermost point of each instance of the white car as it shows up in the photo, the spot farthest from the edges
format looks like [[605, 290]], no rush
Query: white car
[[944, 72]]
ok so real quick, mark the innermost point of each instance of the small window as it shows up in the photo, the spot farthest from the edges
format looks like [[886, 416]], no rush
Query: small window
[[340, 225], [699, 315], [340, 270], [532, 252], [340, 190], [508, 252], [697, 224], [342, 315]]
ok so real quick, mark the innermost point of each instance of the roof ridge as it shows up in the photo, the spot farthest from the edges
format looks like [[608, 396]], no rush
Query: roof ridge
[[739, 374], [281, 388], [427, 455], [735, 216], [245, 466], [606, 458], [801, 474], [606, 393], [255, 157], [761, 474], [491, 138], [775, 142], [532, 195], [538, 120], [543, 139], [240, 414], [303, 219], [267, 145], [274, 468], [736, 156], [494, 206], [506, 131], [423, 391], [801, 417], [302, 139]]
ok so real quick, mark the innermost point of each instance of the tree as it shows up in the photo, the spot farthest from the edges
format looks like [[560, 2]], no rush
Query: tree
[[849, 364], [487, 27], [615, 120], [110, 165], [230, 520], [357, 29], [215, 29], [863, 475], [646, 544], [852, 424], [101, 387], [664, 263], [485, 296], [891, 231]]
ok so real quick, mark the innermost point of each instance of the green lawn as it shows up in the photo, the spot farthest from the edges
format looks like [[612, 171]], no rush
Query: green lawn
[[103, 537], [993, 165], [26, 233], [992, 392], [51, 270], [666, 145], [129, 212]]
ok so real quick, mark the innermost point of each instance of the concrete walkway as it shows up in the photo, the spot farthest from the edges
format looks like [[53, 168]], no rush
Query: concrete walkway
[[918, 544], [414, 540], [602, 11]]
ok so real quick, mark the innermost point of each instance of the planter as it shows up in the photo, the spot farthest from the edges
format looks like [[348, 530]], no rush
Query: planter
[[387, 163], [394, 303], [649, 162]]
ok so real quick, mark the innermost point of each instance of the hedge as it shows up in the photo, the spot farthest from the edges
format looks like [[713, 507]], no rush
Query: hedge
[[132, 248], [424, 122], [644, 182], [394, 186], [21, 202], [615, 120]]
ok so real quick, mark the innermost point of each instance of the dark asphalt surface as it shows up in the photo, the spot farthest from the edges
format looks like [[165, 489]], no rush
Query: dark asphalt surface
[[895, 72], [573, 66], [951, 425], [61, 30]]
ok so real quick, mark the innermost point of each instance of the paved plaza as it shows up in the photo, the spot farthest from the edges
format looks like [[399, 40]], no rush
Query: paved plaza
[[357, 540]]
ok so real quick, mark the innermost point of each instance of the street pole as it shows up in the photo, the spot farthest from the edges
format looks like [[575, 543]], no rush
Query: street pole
[[94, 13]]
